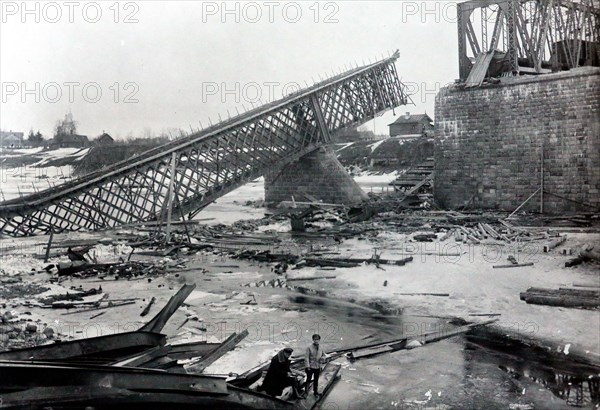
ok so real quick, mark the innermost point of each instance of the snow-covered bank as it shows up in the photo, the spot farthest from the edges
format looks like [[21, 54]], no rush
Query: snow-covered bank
[[29, 170]]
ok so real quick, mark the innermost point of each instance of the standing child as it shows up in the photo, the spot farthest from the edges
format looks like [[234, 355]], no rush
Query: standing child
[[315, 357]]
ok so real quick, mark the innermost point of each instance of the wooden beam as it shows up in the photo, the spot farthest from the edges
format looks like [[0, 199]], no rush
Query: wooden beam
[[158, 322], [229, 343]]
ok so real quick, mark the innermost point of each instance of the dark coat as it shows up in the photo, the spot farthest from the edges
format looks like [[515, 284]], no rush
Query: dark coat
[[277, 377]]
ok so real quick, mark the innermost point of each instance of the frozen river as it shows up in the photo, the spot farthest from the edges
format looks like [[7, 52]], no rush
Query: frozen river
[[472, 372]]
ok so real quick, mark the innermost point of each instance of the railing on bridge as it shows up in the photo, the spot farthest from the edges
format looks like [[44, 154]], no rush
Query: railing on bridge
[[189, 173]]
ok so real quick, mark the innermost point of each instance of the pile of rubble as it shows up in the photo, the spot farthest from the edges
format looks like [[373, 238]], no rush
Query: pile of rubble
[[17, 332]]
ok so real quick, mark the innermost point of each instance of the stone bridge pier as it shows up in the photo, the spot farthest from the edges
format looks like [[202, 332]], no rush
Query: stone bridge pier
[[317, 175]]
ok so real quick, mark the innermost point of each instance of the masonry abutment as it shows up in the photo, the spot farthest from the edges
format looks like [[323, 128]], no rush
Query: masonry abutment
[[318, 175]]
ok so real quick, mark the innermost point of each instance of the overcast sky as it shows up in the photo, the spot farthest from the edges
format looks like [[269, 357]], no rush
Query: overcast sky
[[167, 64]]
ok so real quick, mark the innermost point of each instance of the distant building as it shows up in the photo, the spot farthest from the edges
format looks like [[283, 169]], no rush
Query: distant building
[[104, 139], [70, 141], [412, 126], [10, 139]]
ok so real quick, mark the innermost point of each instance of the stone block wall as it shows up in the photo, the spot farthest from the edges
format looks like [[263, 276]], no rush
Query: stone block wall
[[489, 143]]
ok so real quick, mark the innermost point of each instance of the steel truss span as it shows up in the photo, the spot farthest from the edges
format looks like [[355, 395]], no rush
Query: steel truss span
[[185, 175], [536, 35]]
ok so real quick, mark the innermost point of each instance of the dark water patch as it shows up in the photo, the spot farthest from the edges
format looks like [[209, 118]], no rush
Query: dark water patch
[[577, 383]]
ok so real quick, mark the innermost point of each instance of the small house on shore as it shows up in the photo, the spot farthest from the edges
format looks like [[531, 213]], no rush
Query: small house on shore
[[104, 139], [412, 126]]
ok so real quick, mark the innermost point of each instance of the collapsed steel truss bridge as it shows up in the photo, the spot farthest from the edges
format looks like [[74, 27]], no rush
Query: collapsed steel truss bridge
[[535, 35], [185, 175]]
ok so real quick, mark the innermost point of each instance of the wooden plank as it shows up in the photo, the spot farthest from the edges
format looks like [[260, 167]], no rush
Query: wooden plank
[[310, 278], [437, 336], [447, 235], [372, 351], [485, 314], [147, 308], [49, 245], [141, 359], [329, 375], [564, 291], [352, 262], [230, 343], [586, 284], [399, 344], [512, 265], [482, 230], [555, 243], [576, 261], [131, 302], [192, 350], [418, 185], [158, 322], [473, 239], [174, 352], [563, 300], [491, 231], [590, 254]]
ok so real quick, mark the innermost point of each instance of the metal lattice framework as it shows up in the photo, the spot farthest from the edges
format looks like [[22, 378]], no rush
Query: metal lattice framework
[[536, 35], [187, 174]]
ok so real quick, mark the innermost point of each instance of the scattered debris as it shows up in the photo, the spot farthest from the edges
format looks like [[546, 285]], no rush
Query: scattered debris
[[103, 349], [75, 297]]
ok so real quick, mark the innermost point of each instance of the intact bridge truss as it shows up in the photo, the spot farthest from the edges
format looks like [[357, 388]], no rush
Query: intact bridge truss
[[185, 175]]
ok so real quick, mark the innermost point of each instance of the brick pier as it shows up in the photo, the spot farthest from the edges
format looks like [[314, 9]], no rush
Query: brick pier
[[489, 142], [318, 174]]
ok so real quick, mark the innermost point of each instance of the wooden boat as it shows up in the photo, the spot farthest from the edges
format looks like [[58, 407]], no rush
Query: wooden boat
[[249, 382], [39, 385]]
